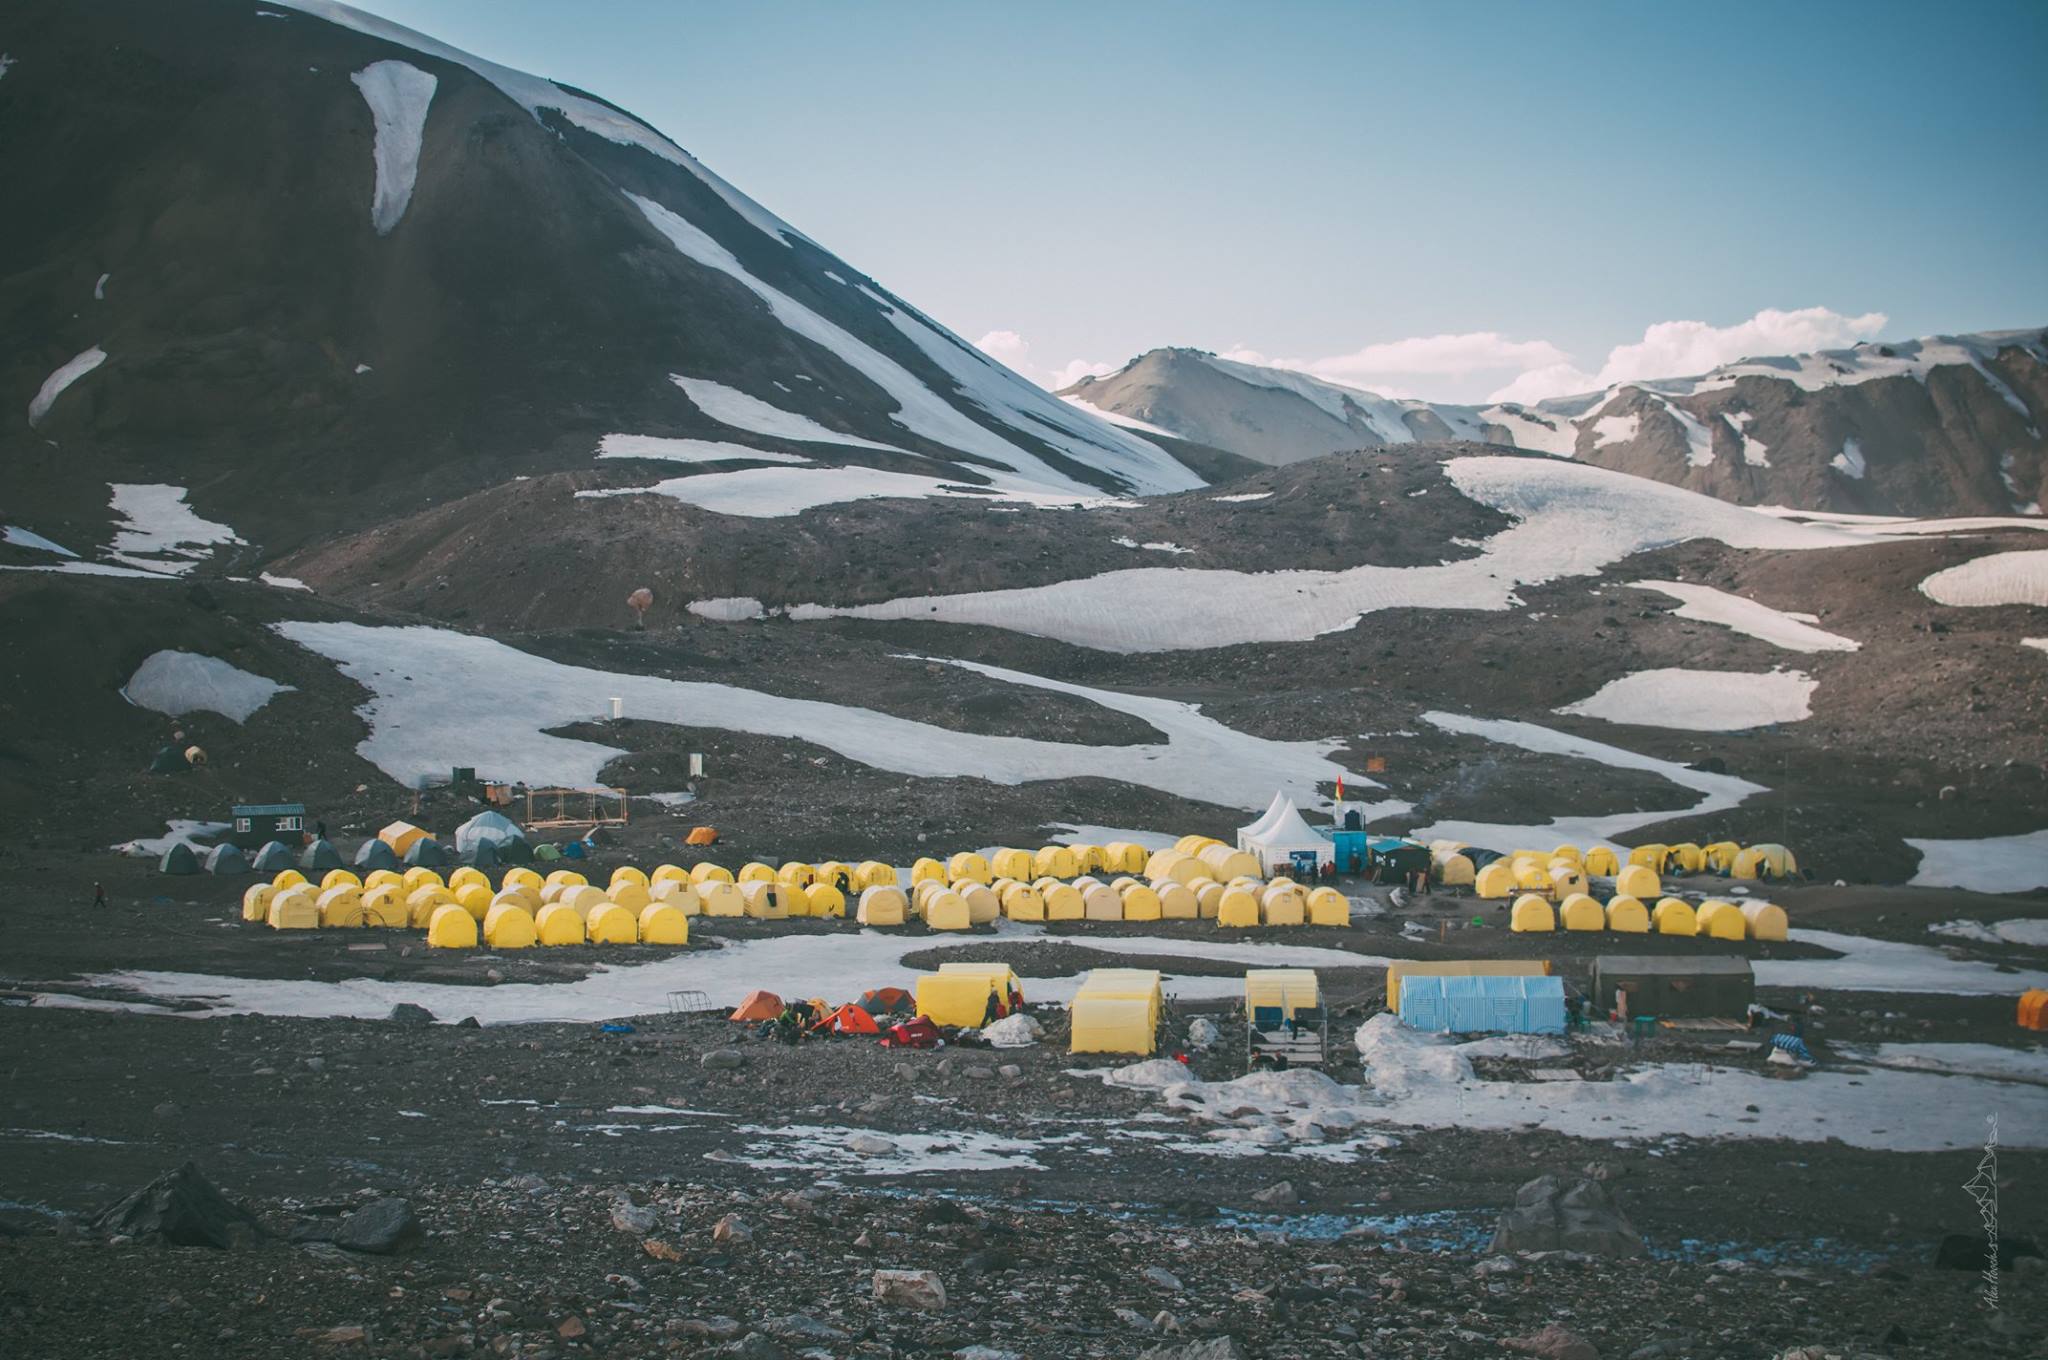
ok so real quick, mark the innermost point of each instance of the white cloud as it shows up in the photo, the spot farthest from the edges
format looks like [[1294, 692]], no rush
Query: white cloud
[[1387, 367], [1013, 352], [1684, 349]]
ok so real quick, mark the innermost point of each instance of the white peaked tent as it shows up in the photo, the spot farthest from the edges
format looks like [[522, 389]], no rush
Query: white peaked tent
[[1275, 837]]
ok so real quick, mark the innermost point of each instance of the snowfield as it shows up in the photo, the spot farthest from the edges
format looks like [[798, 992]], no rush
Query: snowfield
[[684, 451], [1793, 632], [398, 94], [1718, 792], [771, 493], [1572, 520], [186, 682], [1992, 864], [1995, 579], [441, 698], [730, 406], [1700, 701], [27, 538], [69, 372], [160, 532]]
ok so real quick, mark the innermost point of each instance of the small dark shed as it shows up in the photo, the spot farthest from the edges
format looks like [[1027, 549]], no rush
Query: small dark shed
[[257, 824], [1674, 987]]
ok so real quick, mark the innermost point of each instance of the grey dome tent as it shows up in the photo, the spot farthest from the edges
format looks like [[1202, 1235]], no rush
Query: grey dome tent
[[178, 859], [425, 853], [514, 851], [483, 855], [274, 858], [486, 827], [169, 760], [321, 856], [373, 854], [226, 859]]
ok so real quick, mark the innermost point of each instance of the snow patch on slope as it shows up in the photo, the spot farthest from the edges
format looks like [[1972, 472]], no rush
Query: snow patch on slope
[[1995, 579], [187, 682], [683, 451], [1793, 632], [730, 406], [398, 94], [1718, 792], [160, 532], [440, 698], [69, 372], [1991, 864], [25, 538], [1754, 452], [1849, 462], [1572, 520], [1702, 701], [771, 493]]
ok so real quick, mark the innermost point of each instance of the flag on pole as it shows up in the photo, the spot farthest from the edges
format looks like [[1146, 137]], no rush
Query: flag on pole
[[1340, 788]]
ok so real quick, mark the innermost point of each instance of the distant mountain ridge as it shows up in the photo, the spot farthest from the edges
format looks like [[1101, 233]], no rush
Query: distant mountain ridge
[[1941, 425]]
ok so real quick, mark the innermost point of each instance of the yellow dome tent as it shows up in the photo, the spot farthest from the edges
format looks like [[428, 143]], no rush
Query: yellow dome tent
[[661, 924], [611, 924], [584, 899], [1177, 901], [474, 898], [927, 871], [1566, 880], [556, 924], [1674, 916], [1010, 862], [1764, 861], [1090, 859], [1720, 921], [289, 878], [509, 927], [1223, 863], [340, 906], [983, 906], [1195, 845], [626, 873], [1531, 876], [1099, 901], [1140, 902], [340, 878], [1638, 882], [872, 873], [1720, 856], [1454, 869], [256, 901], [1283, 903], [634, 897], [1685, 858], [719, 898], [378, 878], [1055, 861], [461, 877], [1580, 912], [1237, 909], [679, 893], [753, 871], [765, 900], [1062, 901], [955, 1000], [1569, 852], [1627, 915], [423, 902], [1602, 861], [451, 928], [1649, 856], [883, 906], [1328, 907], [1495, 881], [968, 865], [420, 876], [1021, 902], [797, 874], [826, 901], [1124, 857], [666, 873], [947, 910], [558, 878], [1208, 897], [707, 872], [383, 906], [1767, 921], [1532, 913]]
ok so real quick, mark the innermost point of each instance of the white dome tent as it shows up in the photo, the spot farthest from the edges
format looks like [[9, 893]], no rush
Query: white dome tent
[[1281, 834]]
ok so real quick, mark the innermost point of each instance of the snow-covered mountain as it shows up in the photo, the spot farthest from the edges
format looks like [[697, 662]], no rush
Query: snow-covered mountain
[[312, 266], [1947, 424]]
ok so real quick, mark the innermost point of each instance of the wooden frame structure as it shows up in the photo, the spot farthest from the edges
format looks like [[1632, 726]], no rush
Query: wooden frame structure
[[593, 807]]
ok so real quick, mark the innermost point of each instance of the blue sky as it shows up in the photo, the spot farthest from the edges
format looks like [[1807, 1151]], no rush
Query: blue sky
[[1328, 185]]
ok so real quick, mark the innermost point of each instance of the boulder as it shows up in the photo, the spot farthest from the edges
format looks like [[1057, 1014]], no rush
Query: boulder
[[180, 1209], [722, 1059], [920, 1289], [636, 1220], [1553, 1343], [410, 1013], [1551, 1216], [378, 1228]]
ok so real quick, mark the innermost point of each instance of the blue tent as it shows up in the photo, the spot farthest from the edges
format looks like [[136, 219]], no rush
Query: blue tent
[[1483, 1005]]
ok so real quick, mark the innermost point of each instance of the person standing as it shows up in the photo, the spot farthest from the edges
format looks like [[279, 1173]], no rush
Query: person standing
[[99, 896]]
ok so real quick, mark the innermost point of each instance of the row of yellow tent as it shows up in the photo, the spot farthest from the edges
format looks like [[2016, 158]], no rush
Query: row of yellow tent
[[1565, 870], [1240, 903], [464, 911], [1712, 919]]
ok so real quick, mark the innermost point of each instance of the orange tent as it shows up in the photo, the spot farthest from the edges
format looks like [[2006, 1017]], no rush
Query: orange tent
[[758, 1006], [849, 1019], [701, 835]]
